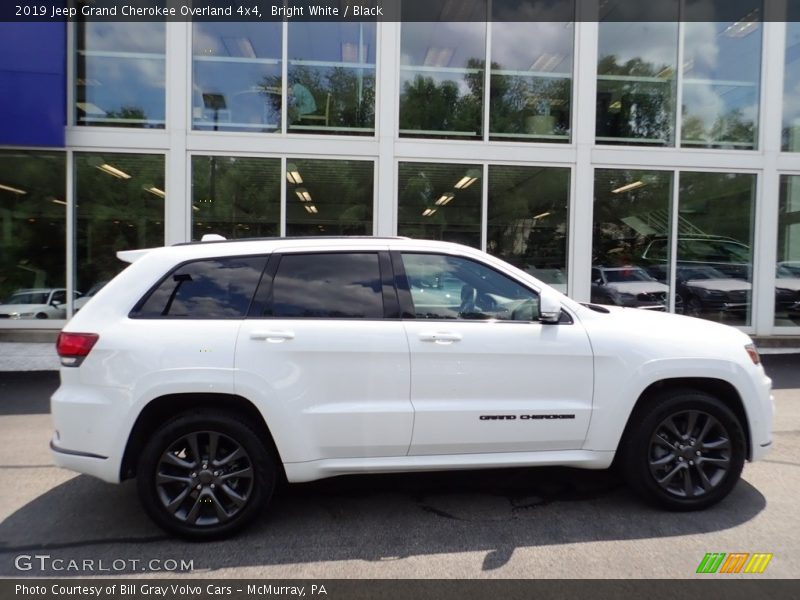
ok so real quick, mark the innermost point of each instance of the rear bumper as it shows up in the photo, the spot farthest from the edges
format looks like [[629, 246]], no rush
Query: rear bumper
[[91, 430], [84, 462]]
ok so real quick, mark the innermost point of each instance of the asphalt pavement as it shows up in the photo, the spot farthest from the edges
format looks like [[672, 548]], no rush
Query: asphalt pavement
[[516, 523]]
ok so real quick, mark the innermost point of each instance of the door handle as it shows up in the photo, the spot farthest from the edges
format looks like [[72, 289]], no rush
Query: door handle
[[272, 336], [440, 337]]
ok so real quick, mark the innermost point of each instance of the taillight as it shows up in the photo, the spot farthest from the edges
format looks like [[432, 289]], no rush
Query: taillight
[[74, 347]]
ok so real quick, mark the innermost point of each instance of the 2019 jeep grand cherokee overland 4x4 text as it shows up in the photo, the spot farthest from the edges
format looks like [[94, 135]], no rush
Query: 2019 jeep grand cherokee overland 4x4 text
[[207, 370]]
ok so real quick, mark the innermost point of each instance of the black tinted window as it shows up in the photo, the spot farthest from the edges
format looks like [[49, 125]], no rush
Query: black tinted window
[[216, 288], [336, 286]]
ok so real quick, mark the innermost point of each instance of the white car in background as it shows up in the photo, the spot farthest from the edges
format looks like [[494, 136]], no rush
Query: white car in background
[[79, 302], [36, 303]]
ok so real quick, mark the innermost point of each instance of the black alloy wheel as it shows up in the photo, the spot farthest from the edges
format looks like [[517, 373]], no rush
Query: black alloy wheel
[[683, 450], [690, 454], [205, 475]]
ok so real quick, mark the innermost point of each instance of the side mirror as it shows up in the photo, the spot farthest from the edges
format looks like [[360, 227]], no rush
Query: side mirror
[[549, 307]]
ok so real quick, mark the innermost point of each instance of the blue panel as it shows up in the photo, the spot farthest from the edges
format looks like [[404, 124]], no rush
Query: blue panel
[[33, 86]]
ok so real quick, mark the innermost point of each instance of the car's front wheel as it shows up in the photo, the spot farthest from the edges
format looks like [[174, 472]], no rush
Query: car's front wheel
[[693, 307], [685, 450], [204, 475]]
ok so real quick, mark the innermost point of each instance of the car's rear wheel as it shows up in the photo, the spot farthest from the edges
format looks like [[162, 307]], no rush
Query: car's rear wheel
[[684, 450], [205, 475]]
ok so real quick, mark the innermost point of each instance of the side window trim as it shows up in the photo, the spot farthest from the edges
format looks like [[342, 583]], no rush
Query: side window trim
[[391, 303], [263, 296], [402, 286]]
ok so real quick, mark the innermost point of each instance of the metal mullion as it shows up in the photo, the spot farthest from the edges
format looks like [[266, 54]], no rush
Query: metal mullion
[[484, 206], [285, 79], [71, 239], [282, 231], [71, 72], [679, 81], [487, 72], [673, 238]]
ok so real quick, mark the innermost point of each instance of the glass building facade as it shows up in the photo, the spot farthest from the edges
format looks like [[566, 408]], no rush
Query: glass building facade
[[653, 164]]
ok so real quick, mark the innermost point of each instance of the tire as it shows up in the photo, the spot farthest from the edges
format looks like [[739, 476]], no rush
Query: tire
[[693, 307], [680, 309], [666, 437], [205, 475]]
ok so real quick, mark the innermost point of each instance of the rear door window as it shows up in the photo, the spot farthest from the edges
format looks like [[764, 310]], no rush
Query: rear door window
[[337, 285], [214, 288]]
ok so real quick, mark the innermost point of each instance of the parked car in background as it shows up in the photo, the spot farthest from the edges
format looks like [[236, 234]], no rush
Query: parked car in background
[[790, 268], [78, 304], [36, 303], [628, 286], [726, 255], [705, 289], [555, 278], [787, 290]]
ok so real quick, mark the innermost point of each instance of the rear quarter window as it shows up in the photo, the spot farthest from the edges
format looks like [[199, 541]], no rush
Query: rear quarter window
[[215, 288]]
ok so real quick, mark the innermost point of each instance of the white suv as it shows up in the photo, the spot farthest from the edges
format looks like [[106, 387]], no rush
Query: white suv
[[208, 370]]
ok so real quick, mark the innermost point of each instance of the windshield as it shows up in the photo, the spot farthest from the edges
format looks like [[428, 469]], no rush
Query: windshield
[[789, 269], [701, 273], [27, 298]]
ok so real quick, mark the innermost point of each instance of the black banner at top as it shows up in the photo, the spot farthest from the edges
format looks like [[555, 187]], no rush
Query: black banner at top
[[733, 11]]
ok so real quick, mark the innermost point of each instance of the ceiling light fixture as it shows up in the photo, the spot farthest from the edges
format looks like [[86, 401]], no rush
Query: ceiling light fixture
[[311, 209], [468, 179], [547, 62], [629, 187], [541, 216], [438, 57], [13, 190], [113, 171], [445, 198], [744, 26], [303, 194], [428, 212], [155, 191], [292, 174]]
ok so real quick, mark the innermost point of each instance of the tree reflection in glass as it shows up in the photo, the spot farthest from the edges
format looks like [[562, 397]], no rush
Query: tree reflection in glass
[[636, 83]]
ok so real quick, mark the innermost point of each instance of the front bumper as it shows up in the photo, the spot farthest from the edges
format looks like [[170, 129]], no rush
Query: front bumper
[[761, 425]]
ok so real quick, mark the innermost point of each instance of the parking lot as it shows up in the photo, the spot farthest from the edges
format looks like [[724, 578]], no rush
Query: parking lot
[[520, 523]]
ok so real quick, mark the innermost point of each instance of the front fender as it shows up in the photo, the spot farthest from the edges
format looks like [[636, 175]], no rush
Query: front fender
[[617, 394]]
